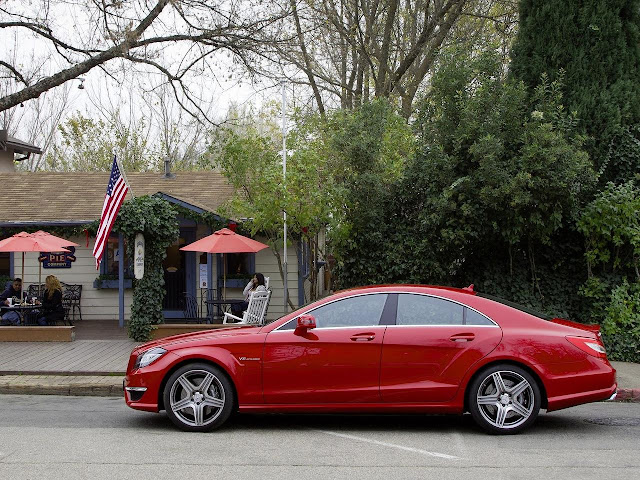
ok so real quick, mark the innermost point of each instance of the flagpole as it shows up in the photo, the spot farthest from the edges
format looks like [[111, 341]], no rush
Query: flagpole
[[121, 250], [124, 174]]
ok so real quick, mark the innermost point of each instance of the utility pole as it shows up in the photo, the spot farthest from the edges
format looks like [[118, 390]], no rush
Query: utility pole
[[284, 181]]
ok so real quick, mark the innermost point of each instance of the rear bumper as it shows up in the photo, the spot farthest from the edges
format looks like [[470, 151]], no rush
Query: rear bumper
[[590, 380], [565, 401]]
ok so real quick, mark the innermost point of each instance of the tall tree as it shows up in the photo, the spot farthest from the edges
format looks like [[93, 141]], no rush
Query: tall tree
[[248, 155], [597, 44], [88, 145], [171, 38], [348, 51]]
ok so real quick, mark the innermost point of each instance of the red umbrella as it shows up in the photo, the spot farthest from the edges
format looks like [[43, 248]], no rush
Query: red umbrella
[[28, 242], [61, 242], [225, 241]]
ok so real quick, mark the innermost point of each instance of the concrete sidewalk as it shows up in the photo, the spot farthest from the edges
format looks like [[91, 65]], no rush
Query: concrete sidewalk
[[628, 376]]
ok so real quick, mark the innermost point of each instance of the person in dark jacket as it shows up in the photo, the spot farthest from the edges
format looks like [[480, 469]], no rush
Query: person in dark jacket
[[13, 290], [52, 310]]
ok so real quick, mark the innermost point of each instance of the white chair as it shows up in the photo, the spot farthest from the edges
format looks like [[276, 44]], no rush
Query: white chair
[[256, 311], [266, 283]]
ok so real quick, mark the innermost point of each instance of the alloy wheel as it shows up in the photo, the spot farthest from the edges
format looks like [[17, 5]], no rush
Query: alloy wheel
[[197, 398], [504, 399]]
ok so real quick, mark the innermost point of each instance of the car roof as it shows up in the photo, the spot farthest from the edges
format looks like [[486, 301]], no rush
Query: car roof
[[407, 288]]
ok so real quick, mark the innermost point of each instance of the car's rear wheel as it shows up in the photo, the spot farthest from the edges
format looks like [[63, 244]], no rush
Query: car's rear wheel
[[504, 399], [198, 397]]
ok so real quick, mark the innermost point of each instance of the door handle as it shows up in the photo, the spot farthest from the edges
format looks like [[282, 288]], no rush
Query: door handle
[[363, 337], [462, 337]]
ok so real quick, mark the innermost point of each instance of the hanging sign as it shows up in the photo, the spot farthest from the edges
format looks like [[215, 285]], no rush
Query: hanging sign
[[138, 257], [58, 260], [204, 276]]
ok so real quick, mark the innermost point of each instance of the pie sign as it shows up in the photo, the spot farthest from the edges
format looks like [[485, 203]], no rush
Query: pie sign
[[58, 260]]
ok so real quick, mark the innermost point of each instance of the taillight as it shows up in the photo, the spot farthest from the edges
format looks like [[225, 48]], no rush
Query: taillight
[[589, 345]]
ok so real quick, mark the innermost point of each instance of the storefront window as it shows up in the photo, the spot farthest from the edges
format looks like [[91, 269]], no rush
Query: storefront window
[[111, 260], [5, 264], [239, 264]]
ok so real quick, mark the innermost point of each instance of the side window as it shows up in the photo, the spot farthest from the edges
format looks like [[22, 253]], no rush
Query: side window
[[424, 310], [471, 317], [360, 311]]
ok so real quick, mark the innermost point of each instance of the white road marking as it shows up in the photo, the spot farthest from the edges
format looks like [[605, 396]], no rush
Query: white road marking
[[459, 441], [391, 445]]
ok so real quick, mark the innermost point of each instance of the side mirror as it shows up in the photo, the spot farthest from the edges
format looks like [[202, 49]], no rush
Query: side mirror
[[306, 322]]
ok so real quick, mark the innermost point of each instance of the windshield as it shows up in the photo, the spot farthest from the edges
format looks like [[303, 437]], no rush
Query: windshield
[[517, 306]]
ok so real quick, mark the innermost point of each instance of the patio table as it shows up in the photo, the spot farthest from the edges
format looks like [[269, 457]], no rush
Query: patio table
[[21, 309], [223, 305]]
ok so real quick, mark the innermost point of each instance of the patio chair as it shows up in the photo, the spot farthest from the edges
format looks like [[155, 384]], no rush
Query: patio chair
[[213, 312], [67, 305], [256, 311], [73, 293], [35, 290], [191, 310]]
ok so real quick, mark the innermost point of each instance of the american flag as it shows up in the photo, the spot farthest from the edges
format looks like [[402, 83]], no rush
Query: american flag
[[116, 191]]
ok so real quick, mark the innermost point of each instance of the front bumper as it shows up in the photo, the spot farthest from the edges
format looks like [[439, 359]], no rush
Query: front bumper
[[142, 386]]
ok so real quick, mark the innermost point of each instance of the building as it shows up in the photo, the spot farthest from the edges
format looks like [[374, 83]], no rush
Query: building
[[48, 200]]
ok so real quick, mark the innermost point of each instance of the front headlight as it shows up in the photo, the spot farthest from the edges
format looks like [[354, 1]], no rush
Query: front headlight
[[149, 356]]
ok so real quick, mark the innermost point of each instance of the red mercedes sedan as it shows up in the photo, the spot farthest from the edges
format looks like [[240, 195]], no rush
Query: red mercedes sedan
[[383, 349]]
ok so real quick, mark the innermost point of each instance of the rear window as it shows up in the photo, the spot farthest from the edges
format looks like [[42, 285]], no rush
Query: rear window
[[517, 306]]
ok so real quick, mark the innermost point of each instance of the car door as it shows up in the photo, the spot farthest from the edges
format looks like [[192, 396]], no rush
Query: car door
[[336, 362], [432, 345]]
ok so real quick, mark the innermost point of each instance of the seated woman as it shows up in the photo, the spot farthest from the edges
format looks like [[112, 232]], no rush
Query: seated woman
[[52, 310], [255, 285]]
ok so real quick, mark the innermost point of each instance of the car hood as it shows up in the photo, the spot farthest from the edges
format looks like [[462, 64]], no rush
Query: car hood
[[171, 342]]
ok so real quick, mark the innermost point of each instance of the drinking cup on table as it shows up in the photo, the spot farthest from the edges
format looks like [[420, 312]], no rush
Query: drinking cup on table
[[33, 300], [10, 300]]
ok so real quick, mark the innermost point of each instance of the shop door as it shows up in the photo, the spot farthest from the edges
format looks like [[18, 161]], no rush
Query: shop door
[[178, 276]]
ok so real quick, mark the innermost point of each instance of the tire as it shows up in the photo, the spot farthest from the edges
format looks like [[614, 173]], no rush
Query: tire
[[198, 397], [504, 399]]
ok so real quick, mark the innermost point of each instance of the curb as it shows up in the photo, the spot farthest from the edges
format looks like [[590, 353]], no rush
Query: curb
[[72, 385], [629, 395], [69, 390]]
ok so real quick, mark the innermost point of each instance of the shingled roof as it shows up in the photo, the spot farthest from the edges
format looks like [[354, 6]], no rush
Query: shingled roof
[[77, 197]]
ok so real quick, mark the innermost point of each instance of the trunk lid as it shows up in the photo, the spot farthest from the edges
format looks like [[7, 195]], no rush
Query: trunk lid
[[595, 329]]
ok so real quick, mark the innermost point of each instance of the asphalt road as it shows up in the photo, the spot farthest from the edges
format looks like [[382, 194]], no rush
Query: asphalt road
[[49, 437]]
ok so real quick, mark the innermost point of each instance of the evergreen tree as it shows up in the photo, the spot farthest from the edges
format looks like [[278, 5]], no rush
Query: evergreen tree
[[597, 44]]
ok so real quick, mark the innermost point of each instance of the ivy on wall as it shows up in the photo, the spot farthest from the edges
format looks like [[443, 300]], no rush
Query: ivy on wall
[[156, 219]]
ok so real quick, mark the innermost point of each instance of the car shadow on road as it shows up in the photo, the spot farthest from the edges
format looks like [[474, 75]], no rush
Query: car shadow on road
[[545, 424]]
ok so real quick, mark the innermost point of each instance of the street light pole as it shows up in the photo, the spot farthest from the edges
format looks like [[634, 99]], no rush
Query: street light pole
[[284, 181]]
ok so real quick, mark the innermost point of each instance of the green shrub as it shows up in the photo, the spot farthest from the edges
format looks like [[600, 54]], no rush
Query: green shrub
[[621, 327]]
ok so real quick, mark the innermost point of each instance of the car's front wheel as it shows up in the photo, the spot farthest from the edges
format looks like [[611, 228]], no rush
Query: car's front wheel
[[198, 397], [504, 399]]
